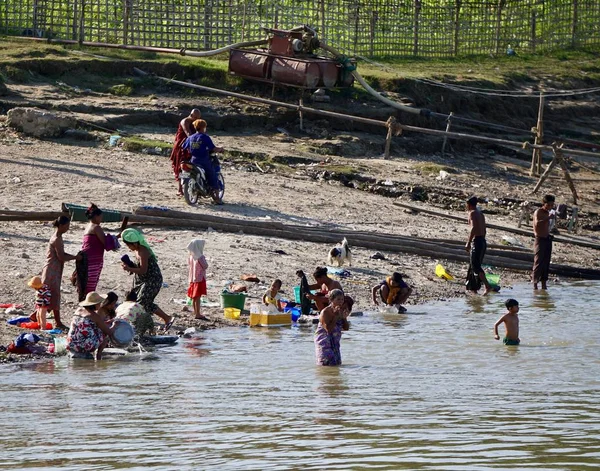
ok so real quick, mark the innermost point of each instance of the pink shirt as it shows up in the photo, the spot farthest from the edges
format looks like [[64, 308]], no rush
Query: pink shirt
[[197, 269]]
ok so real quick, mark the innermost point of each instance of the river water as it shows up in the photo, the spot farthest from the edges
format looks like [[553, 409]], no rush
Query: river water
[[431, 389]]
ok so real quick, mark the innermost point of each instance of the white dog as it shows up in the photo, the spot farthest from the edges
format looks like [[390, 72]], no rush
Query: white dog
[[340, 254]]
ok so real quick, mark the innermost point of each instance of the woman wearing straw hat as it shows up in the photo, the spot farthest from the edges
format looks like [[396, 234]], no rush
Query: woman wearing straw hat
[[88, 333], [148, 277]]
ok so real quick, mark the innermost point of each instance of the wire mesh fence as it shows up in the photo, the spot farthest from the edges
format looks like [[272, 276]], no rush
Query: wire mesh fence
[[393, 28]]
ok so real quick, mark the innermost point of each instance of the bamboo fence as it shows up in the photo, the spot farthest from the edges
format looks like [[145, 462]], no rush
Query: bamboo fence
[[382, 28]]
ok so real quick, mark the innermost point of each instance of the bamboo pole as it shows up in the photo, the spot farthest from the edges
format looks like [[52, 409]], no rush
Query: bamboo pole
[[536, 155], [448, 124], [417, 14], [457, 6], [499, 8]]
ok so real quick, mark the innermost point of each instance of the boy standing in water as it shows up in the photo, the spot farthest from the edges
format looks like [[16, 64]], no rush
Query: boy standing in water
[[511, 323]]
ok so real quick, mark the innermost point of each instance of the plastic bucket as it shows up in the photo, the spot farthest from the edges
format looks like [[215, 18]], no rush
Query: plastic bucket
[[236, 300], [60, 345], [232, 313], [123, 333]]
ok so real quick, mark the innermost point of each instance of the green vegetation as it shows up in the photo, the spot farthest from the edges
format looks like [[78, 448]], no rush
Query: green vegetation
[[139, 144], [23, 60], [431, 168]]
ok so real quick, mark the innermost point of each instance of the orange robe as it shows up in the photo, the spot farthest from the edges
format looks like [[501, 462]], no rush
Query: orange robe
[[179, 154]]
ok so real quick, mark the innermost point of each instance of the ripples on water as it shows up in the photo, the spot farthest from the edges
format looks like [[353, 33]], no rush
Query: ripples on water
[[428, 390]]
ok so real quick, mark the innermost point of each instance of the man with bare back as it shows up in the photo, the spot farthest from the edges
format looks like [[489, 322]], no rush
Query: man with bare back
[[179, 154], [476, 246], [543, 242]]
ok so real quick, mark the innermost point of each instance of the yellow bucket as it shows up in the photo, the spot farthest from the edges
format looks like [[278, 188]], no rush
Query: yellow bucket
[[232, 313]]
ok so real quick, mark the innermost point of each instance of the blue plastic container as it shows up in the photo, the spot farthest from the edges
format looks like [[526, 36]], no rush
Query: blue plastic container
[[295, 312]]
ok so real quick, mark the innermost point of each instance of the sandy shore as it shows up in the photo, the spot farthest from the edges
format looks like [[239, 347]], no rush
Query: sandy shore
[[40, 175]]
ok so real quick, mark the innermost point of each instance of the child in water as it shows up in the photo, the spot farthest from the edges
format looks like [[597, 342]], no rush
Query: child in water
[[272, 296], [42, 300], [511, 323], [197, 275]]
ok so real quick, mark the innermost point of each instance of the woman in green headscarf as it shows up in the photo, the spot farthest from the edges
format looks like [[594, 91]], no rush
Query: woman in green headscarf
[[148, 278]]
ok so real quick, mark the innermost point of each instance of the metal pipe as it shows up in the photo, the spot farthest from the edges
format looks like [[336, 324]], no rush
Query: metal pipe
[[161, 50], [369, 89]]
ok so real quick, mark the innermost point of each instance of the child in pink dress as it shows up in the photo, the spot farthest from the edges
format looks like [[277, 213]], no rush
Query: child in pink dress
[[197, 275]]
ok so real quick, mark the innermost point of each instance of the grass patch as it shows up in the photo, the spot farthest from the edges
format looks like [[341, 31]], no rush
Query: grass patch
[[139, 144], [122, 89], [428, 167]]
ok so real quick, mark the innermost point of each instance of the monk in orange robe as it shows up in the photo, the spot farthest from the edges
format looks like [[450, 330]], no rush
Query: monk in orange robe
[[179, 154]]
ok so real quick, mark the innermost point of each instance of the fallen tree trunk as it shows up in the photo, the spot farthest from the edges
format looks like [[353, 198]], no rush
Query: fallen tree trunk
[[7, 215]]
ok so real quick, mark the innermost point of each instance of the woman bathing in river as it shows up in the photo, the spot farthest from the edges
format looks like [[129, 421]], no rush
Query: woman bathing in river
[[332, 321]]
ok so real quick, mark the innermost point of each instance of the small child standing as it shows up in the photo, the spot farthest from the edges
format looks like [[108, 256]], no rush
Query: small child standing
[[272, 296], [42, 300], [197, 275], [511, 323]]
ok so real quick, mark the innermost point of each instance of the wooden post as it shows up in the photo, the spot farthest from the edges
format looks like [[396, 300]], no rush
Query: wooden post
[[322, 32], [536, 155], [457, 5], [533, 30], [81, 23], [501, 4], [551, 165], [372, 33], [356, 22], [75, 21], [391, 128], [301, 103], [244, 20], [126, 14], [448, 123], [416, 27], [574, 24], [565, 168]]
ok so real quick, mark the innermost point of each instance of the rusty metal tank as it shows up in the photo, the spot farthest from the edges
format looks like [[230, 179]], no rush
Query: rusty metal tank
[[297, 72], [249, 63]]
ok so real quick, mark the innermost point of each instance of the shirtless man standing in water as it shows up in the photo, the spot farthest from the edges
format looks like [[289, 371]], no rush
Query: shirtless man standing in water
[[476, 245]]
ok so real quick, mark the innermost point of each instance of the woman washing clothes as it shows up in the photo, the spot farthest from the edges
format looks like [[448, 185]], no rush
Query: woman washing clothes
[[89, 332], [325, 285], [148, 278], [332, 321]]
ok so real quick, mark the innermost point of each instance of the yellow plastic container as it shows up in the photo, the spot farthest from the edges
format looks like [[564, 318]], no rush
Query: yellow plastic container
[[264, 319], [232, 313]]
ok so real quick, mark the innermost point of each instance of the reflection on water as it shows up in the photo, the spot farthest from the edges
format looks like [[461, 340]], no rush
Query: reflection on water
[[430, 389]]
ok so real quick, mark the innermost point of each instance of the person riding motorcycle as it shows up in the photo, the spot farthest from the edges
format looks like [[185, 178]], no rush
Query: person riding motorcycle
[[200, 146]]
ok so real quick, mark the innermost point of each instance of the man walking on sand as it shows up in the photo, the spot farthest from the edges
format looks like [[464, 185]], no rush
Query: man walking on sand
[[476, 246], [543, 242], [179, 154]]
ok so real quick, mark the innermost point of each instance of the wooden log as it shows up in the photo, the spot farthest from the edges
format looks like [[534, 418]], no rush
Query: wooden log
[[567, 175], [325, 236], [16, 216]]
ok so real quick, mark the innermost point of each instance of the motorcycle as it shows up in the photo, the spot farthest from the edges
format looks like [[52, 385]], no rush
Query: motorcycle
[[194, 185]]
